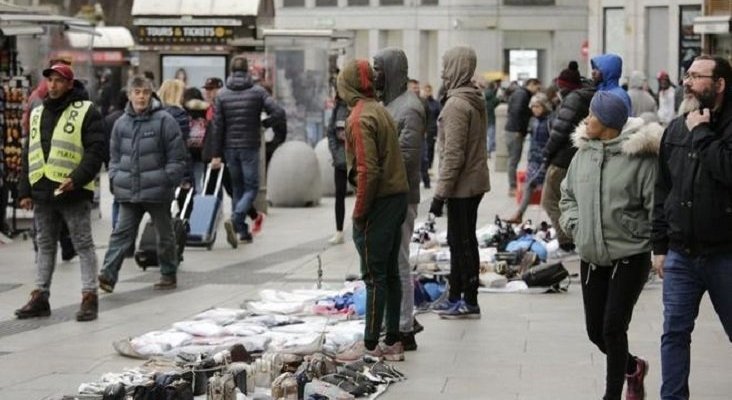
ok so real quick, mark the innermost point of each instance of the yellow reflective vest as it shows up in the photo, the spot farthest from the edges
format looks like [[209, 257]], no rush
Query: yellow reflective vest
[[67, 149]]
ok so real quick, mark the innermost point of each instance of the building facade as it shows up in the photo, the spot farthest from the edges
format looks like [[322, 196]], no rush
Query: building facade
[[650, 35], [522, 38]]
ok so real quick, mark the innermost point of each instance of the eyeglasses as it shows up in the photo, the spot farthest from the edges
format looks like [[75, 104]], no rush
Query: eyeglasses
[[693, 77]]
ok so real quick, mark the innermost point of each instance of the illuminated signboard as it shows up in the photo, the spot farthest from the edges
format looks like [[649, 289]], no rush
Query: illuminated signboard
[[184, 34]]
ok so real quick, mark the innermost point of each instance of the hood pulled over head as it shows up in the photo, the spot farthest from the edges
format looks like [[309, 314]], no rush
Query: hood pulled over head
[[356, 81], [396, 71], [458, 67]]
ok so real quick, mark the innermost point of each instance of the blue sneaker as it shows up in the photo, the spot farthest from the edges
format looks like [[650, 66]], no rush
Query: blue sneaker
[[443, 305], [461, 310]]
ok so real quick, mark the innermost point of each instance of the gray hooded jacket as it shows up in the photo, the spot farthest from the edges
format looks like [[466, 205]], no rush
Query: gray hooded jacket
[[147, 156], [461, 130], [408, 113]]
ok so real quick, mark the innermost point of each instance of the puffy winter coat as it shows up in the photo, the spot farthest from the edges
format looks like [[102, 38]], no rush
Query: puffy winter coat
[[693, 205], [607, 195], [519, 113], [147, 156], [92, 139], [408, 112], [237, 115], [337, 145], [574, 108], [462, 131]]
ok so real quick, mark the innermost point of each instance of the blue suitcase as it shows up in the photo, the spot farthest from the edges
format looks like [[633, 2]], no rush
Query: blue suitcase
[[206, 213]]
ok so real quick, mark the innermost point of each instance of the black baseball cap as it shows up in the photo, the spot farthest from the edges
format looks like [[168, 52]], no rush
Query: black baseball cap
[[213, 83]]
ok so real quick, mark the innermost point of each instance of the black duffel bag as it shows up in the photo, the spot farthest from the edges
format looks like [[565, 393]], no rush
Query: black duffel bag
[[548, 275]]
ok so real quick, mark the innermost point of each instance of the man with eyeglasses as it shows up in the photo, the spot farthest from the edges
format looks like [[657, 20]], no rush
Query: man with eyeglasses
[[692, 239]]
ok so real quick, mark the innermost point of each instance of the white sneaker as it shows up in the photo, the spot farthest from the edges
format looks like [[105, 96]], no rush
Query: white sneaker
[[337, 238]]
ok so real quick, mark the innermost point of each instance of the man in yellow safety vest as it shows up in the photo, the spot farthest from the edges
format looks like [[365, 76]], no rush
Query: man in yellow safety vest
[[63, 154]]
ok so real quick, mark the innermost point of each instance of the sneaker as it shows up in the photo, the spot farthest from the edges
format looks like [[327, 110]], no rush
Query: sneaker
[[337, 238], [257, 225], [461, 310], [353, 352], [231, 234], [444, 305], [245, 238], [105, 284], [395, 352], [37, 306], [89, 307], [635, 390], [166, 282], [407, 340]]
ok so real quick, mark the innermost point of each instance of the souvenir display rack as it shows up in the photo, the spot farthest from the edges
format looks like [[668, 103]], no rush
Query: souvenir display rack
[[12, 99]]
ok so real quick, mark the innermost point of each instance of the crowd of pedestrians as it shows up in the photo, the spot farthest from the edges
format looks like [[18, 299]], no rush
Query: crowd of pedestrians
[[632, 181]]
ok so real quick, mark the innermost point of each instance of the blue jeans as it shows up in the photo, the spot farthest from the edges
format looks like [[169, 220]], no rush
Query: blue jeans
[[243, 167], [491, 136], [124, 235], [685, 280]]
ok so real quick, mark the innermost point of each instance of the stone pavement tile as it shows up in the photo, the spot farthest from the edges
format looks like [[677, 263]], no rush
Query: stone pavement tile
[[27, 394], [59, 383]]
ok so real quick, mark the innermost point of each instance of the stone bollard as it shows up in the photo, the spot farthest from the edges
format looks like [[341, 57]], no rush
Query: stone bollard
[[325, 162], [293, 179], [501, 154]]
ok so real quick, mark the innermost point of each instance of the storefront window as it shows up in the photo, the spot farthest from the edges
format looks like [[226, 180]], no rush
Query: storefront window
[[689, 42], [197, 68]]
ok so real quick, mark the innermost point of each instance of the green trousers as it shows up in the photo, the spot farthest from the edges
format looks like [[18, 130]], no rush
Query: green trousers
[[378, 245]]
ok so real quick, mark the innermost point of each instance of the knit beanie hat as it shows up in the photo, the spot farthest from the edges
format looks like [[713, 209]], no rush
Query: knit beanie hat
[[610, 109], [569, 78]]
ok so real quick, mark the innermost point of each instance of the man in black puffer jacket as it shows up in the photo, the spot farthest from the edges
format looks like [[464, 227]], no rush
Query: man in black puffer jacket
[[517, 125], [237, 137], [559, 151]]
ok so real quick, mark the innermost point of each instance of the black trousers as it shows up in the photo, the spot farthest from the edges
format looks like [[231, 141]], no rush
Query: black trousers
[[609, 294], [341, 184], [462, 215]]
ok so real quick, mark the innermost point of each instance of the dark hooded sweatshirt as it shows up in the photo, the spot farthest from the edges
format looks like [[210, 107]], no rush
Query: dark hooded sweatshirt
[[408, 112], [375, 164], [92, 138], [462, 126]]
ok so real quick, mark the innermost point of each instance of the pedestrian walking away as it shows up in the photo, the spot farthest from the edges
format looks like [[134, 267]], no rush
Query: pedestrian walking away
[[337, 146], [517, 125], [606, 204], [377, 171], [237, 138], [63, 154], [463, 179], [147, 162], [692, 241]]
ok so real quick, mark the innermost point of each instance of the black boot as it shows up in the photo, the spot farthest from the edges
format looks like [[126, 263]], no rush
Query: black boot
[[166, 282], [37, 306]]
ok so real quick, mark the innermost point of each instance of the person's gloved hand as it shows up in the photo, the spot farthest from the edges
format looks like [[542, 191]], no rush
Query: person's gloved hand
[[436, 207]]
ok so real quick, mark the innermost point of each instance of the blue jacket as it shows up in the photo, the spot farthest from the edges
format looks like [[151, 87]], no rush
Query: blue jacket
[[147, 156], [611, 67]]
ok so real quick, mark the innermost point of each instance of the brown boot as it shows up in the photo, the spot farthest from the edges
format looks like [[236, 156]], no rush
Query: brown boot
[[167, 282], [37, 306], [89, 307]]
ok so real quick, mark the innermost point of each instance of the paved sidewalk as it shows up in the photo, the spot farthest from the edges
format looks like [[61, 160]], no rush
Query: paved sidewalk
[[524, 347]]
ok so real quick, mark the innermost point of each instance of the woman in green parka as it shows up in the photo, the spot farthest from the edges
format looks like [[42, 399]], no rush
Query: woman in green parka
[[606, 204]]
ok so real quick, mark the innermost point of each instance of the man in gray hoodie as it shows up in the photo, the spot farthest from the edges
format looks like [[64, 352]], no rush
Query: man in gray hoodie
[[390, 82]]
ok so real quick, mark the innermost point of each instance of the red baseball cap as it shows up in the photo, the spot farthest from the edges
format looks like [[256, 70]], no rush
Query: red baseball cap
[[62, 69]]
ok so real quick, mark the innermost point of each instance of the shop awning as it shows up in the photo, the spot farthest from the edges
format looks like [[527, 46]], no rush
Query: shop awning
[[105, 37], [20, 29], [233, 8], [713, 24], [29, 19]]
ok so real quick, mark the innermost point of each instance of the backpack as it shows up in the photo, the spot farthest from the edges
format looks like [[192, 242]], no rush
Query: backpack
[[197, 134], [548, 275]]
